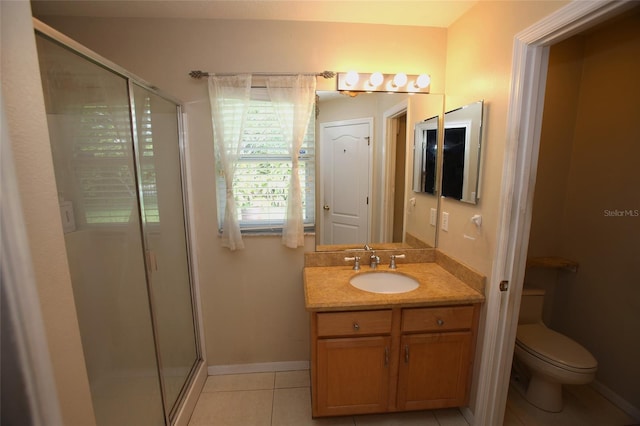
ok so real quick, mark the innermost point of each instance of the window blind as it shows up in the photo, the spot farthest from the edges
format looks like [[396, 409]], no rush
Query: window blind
[[103, 165]]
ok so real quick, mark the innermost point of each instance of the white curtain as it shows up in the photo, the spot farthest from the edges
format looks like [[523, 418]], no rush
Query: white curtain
[[293, 96], [229, 97]]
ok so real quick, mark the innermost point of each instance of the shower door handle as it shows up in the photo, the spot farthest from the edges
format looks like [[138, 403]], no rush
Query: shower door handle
[[153, 260]]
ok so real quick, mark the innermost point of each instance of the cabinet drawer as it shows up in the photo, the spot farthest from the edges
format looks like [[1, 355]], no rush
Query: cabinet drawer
[[356, 323], [437, 319]]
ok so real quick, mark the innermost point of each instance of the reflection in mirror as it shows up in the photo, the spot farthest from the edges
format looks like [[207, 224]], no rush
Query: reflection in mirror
[[461, 153], [425, 156], [365, 171]]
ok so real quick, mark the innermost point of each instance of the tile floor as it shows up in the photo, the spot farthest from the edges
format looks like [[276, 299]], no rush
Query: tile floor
[[583, 406], [284, 399]]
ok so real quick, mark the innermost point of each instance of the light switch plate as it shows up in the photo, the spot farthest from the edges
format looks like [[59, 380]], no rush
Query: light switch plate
[[434, 217], [445, 221]]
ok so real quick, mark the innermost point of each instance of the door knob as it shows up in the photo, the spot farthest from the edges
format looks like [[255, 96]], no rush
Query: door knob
[[326, 207]]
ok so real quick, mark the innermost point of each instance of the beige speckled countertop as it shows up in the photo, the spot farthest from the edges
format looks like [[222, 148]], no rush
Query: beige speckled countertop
[[327, 288]]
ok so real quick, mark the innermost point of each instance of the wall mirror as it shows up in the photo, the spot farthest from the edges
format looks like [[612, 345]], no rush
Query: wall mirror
[[364, 172], [461, 153], [425, 156]]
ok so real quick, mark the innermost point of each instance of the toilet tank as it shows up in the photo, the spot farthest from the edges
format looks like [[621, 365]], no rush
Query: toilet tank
[[531, 306]]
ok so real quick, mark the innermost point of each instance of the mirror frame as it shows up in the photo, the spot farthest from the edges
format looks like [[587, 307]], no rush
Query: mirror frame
[[468, 117]]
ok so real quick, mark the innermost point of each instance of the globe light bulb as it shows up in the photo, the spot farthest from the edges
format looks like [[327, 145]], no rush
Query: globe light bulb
[[400, 80], [423, 81], [376, 79], [351, 79]]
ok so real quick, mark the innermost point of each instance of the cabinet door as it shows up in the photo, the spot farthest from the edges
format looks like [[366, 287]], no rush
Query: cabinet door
[[353, 375], [434, 370]]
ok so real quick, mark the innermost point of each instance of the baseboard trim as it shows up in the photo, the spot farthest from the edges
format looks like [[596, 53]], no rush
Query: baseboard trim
[[467, 414], [619, 401], [261, 367]]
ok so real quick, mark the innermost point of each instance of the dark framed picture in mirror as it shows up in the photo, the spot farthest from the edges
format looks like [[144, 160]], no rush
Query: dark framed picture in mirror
[[461, 152], [425, 156]]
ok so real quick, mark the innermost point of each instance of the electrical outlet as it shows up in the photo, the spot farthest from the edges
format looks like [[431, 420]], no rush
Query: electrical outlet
[[445, 221], [434, 217]]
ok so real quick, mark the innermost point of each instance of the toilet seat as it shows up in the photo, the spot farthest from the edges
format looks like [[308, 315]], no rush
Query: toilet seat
[[555, 348]]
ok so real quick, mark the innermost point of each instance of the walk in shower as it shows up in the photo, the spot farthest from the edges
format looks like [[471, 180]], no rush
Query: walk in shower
[[117, 153]]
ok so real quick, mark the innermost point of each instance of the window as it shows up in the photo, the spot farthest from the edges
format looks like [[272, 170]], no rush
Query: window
[[261, 180]]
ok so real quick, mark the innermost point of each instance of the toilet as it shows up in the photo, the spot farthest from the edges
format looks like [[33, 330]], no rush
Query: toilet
[[550, 358]]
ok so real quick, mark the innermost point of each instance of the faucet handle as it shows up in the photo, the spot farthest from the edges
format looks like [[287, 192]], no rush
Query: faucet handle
[[356, 262], [374, 260], [393, 257]]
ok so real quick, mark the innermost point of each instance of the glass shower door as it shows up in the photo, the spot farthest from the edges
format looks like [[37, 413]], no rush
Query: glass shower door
[[89, 123], [158, 153]]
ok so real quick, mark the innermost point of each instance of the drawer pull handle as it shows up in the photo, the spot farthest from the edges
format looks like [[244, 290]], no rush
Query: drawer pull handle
[[386, 356], [406, 354], [356, 326], [440, 322]]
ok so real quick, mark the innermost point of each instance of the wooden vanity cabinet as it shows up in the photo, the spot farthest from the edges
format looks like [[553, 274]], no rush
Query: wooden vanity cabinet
[[392, 360], [352, 362], [436, 357], [353, 375]]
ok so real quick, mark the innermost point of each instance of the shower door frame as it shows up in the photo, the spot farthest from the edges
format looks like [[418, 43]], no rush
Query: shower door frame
[[172, 413]]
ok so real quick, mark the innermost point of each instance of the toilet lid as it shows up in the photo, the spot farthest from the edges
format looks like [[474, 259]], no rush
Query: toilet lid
[[556, 348]]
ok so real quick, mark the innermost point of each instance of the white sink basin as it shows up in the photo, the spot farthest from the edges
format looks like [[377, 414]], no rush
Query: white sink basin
[[384, 282]]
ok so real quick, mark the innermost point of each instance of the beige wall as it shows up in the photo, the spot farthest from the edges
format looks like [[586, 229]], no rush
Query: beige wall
[[22, 96], [588, 166], [479, 54], [252, 300]]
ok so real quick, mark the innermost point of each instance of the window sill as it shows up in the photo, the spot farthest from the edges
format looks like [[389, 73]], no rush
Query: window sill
[[270, 234]]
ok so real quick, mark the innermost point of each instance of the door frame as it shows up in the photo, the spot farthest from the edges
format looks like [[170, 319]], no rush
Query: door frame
[[524, 119], [388, 169], [320, 222]]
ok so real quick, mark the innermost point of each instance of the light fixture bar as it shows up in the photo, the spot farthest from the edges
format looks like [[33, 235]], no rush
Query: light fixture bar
[[377, 82]]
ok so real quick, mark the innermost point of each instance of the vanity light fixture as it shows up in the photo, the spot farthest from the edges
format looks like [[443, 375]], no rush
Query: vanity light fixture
[[378, 82]]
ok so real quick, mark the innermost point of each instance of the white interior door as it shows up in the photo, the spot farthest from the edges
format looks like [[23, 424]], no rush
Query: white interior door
[[345, 148]]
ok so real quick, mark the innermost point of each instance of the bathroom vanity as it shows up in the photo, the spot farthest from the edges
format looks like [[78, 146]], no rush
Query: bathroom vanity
[[376, 353]]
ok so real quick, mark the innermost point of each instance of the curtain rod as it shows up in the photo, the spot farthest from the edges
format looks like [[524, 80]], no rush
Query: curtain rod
[[199, 74]]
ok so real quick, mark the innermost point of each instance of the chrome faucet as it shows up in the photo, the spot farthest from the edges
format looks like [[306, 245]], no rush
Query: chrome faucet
[[374, 260]]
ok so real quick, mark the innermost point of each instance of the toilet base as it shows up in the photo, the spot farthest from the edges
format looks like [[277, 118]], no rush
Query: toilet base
[[544, 394]]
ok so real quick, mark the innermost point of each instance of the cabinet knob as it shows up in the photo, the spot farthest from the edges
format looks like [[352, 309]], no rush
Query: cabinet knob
[[356, 326], [440, 322]]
